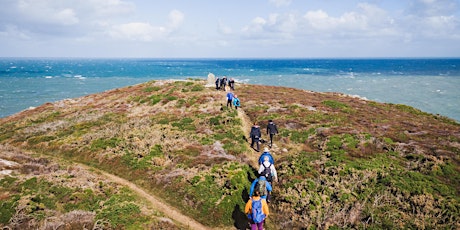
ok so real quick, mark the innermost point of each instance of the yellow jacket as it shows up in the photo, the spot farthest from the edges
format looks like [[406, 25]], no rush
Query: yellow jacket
[[248, 208]]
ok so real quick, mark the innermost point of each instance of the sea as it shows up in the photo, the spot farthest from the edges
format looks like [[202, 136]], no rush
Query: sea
[[429, 84]]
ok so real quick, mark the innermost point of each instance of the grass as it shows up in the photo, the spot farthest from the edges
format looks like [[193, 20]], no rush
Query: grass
[[342, 163]]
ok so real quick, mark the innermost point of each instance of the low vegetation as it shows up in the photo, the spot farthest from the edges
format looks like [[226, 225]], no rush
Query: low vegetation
[[343, 162]]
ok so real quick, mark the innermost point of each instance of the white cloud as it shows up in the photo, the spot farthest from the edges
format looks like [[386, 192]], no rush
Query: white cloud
[[296, 25], [144, 31], [49, 12]]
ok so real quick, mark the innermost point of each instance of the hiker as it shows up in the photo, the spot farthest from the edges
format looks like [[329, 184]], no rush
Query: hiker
[[231, 83], [263, 186], [267, 169], [266, 153], [236, 101], [257, 210], [272, 130], [223, 83], [217, 83], [255, 136], [229, 99]]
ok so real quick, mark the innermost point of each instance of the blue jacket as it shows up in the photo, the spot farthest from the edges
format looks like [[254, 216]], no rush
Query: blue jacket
[[253, 185], [229, 96], [270, 158], [236, 101]]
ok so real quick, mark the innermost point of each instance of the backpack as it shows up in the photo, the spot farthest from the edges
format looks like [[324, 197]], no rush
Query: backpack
[[267, 173], [261, 187], [256, 214]]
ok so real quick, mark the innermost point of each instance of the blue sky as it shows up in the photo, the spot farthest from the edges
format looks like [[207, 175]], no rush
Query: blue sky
[[230, 29]]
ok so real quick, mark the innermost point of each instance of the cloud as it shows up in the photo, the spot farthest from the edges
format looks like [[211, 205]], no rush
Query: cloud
[[144, 31], [433, 19], [49, 18], [429, 8]]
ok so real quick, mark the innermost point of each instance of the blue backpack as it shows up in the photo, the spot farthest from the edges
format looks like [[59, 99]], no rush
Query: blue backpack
[[256, 215]]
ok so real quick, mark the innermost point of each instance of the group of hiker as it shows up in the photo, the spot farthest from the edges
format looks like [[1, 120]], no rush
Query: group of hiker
[[259, 193], [257, 206], [256, 136], [221, 83], [232, 99]]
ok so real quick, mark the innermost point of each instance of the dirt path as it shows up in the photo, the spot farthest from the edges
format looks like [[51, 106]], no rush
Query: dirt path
[[156, 202], [246, 126]]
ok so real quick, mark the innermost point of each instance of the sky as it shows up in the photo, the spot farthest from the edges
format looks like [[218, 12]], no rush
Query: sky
[[229, 29]]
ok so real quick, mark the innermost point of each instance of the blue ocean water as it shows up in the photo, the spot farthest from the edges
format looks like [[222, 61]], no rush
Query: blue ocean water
[[432, 85]]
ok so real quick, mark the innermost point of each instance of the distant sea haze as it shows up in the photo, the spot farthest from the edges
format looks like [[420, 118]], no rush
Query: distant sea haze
[[431, 85]]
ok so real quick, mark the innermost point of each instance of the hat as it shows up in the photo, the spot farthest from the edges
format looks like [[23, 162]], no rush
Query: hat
[[266, 149]]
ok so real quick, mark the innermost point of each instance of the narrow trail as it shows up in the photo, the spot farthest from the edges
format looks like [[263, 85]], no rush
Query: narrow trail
[[156, 202], [246, 128]]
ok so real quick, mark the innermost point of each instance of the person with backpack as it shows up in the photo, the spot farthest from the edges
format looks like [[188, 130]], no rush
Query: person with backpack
[[255, 136], [268, 154], [267, 169], [257, 210], [263, 186], [272, 130], [236, 101], [229, 99]]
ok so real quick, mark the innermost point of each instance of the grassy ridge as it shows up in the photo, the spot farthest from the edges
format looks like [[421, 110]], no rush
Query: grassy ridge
[[342, 162]]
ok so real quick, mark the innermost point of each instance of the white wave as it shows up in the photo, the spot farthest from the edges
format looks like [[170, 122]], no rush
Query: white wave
[[79, 77]]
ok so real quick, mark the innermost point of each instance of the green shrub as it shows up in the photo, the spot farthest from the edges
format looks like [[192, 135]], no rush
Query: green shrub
[[105, 143], [335, 104], [185, 124], [197, 88]]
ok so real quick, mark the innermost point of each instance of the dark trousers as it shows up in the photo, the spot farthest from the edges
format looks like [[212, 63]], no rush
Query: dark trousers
[[271, 139], [229, 102], [255, 140]]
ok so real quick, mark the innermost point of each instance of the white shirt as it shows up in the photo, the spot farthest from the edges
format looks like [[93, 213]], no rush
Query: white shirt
[[272, 169]]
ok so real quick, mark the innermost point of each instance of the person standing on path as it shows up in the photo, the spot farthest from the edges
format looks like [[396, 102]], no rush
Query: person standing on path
[[272, 130], [223, 83], [255, 136], [231, 83], [236, 102], [217, 83], [229, 99]]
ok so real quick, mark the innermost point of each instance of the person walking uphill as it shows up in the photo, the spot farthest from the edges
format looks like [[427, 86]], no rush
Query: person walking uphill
[[263, 186], [271, 130], [257, 210], [267, 169], [230, 99], [255, 136], [268, 154]]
